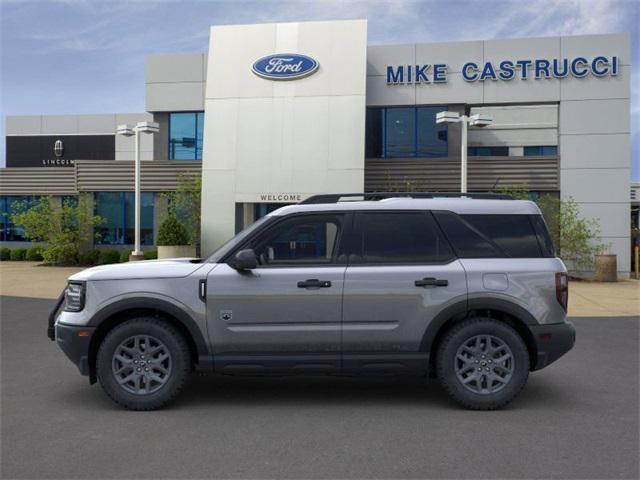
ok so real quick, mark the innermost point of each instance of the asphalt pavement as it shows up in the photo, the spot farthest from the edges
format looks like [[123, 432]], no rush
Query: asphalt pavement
[[578, 418]]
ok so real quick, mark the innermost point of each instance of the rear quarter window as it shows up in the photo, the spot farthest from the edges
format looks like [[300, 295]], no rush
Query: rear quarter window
[[514, 234], [467, 241]]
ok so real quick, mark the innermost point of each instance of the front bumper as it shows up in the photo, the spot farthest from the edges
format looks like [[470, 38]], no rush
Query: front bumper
[[74, 342], [552, 341]]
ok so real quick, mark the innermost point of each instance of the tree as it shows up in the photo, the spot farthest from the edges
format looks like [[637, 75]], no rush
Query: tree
[[63, 227], [184, 203], [575, 238]]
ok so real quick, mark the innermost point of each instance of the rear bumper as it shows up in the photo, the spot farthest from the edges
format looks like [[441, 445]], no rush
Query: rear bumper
[[552, 341], [74, 342]]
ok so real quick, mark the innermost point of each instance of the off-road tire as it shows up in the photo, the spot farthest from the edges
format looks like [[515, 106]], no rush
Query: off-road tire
[[174, 342], [446, 363]]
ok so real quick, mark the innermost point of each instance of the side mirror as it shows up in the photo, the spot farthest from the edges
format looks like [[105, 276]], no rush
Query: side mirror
[[245, 260]]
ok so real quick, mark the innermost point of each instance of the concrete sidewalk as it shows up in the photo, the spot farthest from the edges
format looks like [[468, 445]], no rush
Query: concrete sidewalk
[[586, 299]]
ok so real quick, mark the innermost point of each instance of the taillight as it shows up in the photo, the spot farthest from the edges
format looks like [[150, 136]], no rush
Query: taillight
[[562, 289]]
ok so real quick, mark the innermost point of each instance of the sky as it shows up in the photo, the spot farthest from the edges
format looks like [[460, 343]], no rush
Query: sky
[[87, 56]]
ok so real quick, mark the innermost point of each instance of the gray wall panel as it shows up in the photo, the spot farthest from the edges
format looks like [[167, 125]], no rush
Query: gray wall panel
[[23, 125], [57, 124], [485, 173], [38, 181], [174, 68], [117, 177]]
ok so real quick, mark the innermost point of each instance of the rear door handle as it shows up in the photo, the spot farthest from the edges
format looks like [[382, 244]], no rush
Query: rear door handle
[[314, 283], [431, 282]]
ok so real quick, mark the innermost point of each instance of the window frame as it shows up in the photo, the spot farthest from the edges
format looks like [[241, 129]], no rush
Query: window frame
[[355, 253], [6, 207], [416, 129], [122, 211], [195, 113]]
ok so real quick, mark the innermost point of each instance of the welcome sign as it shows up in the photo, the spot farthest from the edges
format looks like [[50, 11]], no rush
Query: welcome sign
[[506, 70]]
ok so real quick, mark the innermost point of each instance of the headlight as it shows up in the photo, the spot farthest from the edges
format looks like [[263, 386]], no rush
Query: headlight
[[74, 297]]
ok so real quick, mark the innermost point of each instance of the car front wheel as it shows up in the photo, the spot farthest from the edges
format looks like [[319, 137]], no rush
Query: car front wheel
[[482, 363], [143, 363]]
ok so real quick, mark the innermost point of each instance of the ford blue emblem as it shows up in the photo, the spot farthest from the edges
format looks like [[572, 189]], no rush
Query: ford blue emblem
[[284, 66]]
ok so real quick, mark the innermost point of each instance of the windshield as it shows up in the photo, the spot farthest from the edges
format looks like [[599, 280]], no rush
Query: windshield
[[230, 244]]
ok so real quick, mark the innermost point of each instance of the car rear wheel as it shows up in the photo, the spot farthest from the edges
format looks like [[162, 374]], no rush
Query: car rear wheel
[[482, 363], [143, 363]]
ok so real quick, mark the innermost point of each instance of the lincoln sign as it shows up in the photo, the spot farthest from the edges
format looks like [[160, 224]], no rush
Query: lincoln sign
[[506, 70]]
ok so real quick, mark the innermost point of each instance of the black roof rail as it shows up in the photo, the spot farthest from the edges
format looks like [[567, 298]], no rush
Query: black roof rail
[[337, 197]]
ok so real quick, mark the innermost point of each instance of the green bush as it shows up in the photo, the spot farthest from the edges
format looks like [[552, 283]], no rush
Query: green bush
[[151, 255], [34, 254], [90, 257], [5, 254], [172, 232], [124, 256], [18, 254], [61, 254], [62, 226], [109, 256]]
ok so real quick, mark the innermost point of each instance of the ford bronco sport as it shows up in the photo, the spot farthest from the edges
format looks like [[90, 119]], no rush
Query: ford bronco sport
[[467, 289]]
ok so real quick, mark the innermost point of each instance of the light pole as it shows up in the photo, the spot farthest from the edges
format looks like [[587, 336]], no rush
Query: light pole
[[477, 120], [128, 131]]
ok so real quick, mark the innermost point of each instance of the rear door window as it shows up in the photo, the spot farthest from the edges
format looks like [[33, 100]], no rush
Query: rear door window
[[400, 238]]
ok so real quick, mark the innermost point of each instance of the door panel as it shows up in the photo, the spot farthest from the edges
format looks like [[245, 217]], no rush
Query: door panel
[[384, 311], [401, 275], [265, 312]]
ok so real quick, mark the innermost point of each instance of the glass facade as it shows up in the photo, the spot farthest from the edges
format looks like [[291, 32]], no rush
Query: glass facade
[[185, 135], [117, 209], [541, 151], [405, 132], [9, 232]]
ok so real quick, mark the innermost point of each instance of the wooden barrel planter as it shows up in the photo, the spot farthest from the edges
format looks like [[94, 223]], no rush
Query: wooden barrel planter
[[606, 268]]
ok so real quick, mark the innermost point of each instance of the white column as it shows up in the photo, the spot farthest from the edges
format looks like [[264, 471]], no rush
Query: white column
[[463, 155], [136, 248]]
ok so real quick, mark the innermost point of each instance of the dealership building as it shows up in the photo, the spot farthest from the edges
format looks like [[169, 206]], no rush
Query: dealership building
[[274, 113]]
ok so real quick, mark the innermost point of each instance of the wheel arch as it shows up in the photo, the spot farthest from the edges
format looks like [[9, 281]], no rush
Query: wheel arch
[[122, 310], [503, 310]]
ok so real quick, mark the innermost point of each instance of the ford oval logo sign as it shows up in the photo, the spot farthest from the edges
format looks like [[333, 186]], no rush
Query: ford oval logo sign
[[285, 66]]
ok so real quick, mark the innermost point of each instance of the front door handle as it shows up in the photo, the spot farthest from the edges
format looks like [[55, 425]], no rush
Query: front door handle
[[431, 282], [314, 283]]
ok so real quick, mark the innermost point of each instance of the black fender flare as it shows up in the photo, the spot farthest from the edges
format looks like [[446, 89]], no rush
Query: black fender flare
[[462, 308], [163, 306]]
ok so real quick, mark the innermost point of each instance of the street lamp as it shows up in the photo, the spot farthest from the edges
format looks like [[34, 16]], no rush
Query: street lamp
[[128, 131], [477, 120]]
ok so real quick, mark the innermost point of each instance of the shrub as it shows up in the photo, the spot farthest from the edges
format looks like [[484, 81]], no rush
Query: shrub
[[90, 257], [124, 256], [34, 254], [151, 255], [109, 256], [65, 254], [63, 227], [5, 254], [18, 254], [172, 232]]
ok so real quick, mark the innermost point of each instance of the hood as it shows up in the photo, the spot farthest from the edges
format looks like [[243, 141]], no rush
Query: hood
[[167, 268]]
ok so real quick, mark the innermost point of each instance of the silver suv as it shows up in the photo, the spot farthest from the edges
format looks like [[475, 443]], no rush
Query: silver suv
[[466, 289]]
